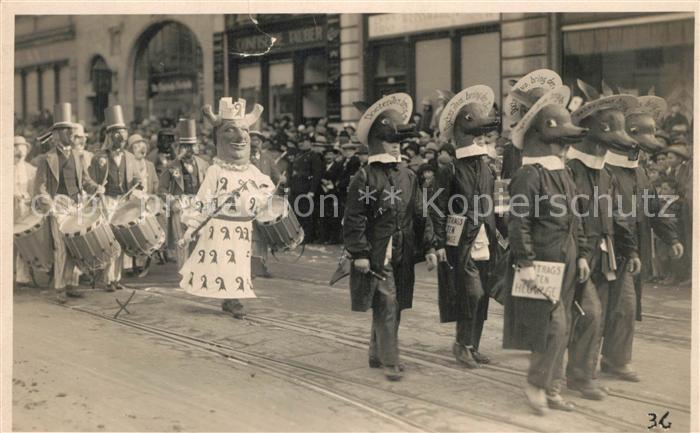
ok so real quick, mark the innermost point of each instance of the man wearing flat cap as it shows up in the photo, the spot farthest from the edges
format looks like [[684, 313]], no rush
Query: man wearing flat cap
[[61, 172]]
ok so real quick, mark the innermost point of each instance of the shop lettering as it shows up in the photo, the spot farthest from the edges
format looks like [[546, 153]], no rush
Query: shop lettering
[[288, 39], [171, 86]]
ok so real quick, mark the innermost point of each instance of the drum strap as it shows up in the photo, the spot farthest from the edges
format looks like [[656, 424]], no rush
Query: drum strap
[[301, 253]]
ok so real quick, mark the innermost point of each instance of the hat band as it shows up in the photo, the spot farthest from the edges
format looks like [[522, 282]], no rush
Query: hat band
[[188, 140], [116, 125]]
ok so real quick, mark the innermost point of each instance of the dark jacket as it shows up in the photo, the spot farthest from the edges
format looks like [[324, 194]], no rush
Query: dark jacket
[[266, 165], [634, 181], [100, 164], [47, 175], [537, 230], [468, 178], [171, 181], [372, 218], [348, 168], [306, 171], [601, 221]]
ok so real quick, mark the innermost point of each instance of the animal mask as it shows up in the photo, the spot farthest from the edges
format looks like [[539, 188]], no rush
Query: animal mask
[[535, 84], [604, 117], [640, 122], [546, 129], [231, 127], [385, 124], [466, 116]]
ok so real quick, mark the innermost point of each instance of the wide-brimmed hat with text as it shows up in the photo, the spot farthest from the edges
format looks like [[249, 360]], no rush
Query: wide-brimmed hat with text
[[655, 106], [597, 102], [399, 102], [544, 79], [559, 95], [480, 94]]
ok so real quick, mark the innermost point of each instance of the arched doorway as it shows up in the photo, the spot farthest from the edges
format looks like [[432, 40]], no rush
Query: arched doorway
[[101, 79], [168, 73]]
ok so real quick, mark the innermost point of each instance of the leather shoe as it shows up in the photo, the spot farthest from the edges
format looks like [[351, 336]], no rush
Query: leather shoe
[[376, 363], [110, 287], [536, 399], [464, 356], [234, 307], [480, 357], [393, 372], [588, 389], [557, 402], [72, 292], [622, 373]]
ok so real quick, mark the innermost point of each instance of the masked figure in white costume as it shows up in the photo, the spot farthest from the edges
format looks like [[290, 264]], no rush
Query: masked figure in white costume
[[222, 213]]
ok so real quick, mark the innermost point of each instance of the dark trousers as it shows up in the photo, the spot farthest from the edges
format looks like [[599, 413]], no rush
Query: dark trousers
[[328, 220], [546, 367], [384, 340], [469, 330], [586, 331], [621, 312]]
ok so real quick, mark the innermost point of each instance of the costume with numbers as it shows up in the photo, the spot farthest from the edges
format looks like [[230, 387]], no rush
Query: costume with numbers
[[220, 263]]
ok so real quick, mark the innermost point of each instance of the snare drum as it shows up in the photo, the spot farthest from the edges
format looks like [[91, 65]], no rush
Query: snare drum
[[90, 241], [32, 239], [137, 228], [279, 226]]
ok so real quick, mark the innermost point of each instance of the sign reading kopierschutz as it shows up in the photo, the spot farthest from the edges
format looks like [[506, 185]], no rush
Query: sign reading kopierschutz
[[548, 278], [400, 24]]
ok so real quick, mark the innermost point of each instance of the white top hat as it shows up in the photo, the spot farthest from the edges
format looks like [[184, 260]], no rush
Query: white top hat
[[559, 95], [479, 94], [400, 102], [545, 79]]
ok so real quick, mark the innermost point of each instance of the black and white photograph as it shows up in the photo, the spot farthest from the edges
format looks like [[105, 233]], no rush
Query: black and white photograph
[[253, 216]]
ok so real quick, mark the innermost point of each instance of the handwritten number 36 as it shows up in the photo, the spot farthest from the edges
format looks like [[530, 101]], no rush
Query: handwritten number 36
[[660, 422]]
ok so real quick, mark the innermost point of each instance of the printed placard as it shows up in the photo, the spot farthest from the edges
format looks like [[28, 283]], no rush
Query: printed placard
[[455, 225], [548, 276]]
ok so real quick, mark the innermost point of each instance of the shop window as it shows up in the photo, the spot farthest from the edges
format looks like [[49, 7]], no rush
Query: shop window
[[281, 89], [433, 68], [479, 64], [390, 68], [249, 83], [314, 87]]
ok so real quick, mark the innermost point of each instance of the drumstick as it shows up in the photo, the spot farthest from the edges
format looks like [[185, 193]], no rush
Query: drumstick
[[182, 242]]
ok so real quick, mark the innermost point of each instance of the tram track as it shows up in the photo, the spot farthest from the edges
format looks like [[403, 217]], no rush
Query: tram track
[[310, 377], [495, 374]]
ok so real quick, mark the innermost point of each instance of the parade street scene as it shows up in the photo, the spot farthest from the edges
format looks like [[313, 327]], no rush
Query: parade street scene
[[353, 222]]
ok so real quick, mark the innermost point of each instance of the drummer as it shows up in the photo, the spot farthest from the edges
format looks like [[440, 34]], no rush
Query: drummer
[[139, 147], [179, 181], [24, 174], [116, 170], [61, 173]]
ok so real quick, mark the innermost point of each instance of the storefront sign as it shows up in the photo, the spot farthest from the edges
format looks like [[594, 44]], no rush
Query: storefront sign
[[286, 40], [170, 86], [384, 25]]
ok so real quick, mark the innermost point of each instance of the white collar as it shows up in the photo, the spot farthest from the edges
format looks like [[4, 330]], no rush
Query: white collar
[[590, 161], [620, 160], [471, 150], [230, 165], [384, 158], [550, 162]]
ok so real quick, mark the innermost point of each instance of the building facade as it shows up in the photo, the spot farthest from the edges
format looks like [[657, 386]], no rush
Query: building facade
[[153, 65], [318, 65]]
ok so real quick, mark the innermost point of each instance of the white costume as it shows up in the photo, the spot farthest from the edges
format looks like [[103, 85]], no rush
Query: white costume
[[24, 174], [220, 264]]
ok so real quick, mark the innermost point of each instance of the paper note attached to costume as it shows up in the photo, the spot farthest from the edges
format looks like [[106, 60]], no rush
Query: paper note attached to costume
[[548, 277], [455, 226]]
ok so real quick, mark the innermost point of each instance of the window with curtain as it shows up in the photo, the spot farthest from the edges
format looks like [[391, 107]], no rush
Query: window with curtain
[[314, 87], [479, 64], [281, 89], [390, 68], [433, 68], [249, 83]]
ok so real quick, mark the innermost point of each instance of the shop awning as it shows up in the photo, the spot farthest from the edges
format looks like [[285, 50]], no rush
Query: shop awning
[[629, 37]]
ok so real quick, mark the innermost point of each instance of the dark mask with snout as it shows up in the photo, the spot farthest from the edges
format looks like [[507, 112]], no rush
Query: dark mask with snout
[[387, 127], [471, 122], [551, 131], [607, 128], [641, 127]]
